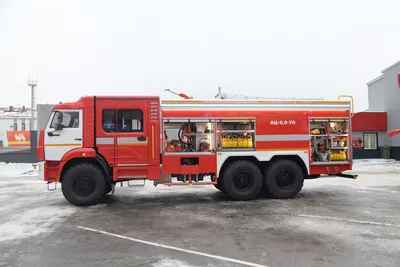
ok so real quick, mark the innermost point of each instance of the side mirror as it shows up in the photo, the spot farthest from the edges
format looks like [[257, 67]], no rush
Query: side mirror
[[59, 127], [360, 141]]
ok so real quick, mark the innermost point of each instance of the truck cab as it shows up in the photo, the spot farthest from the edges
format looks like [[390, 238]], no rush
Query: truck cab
[[114, 138]]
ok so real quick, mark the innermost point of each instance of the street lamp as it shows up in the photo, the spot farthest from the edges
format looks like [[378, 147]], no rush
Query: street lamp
[[32, 83]]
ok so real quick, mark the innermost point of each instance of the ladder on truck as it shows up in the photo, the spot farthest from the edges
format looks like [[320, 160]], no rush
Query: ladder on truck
[[221, 95]]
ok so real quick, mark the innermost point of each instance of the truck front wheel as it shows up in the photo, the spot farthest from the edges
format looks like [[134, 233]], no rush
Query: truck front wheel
[[242, 180], [284, 179], [83, 184]]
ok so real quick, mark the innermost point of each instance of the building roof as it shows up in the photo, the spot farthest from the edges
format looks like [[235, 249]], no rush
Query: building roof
[[375, 80], [15, 115], [391, 66], [381, 76], [375, 121]]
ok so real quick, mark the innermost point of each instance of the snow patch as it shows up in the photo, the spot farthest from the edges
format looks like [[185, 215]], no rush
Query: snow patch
[[33, 222], [376, 166], [172, 263], [17, 169]]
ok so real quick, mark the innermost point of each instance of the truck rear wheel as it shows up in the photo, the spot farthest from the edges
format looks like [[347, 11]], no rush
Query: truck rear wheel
[[242, 180], [218, 186], [283, 179], [83, 184], [107, 189]]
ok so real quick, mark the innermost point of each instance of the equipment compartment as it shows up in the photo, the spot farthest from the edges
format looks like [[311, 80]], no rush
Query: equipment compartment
[[329, 141], [235, 135], [185, 136]]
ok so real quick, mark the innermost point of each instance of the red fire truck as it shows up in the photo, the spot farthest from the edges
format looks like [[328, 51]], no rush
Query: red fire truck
[[243, 147]]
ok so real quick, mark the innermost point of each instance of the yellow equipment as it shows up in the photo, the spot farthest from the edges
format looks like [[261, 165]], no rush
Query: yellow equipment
[[249, 141]]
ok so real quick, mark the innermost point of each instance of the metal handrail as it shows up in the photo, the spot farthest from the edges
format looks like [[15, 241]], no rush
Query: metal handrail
[[352, 103]]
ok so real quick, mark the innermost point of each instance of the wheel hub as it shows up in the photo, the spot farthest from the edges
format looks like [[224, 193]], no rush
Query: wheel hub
[[83, 186], [242, 180], [284, 179]]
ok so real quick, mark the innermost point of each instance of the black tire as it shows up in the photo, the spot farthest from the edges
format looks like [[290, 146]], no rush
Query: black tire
[[107, 189], [83, 184], [218, 186], [283, 179], [242, 180]]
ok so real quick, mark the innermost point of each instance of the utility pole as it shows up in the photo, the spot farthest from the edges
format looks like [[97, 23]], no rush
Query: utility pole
[[32, 83]]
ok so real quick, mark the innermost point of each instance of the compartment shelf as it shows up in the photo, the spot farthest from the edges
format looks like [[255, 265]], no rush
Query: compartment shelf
[[235, 135], [193, 137], [329, 135], [189, 153], [330, 162], [236, 149], [197, 134], [329, 140], [236, 131]]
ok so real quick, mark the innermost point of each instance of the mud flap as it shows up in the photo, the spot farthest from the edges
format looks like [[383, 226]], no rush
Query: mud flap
[[351, 176]]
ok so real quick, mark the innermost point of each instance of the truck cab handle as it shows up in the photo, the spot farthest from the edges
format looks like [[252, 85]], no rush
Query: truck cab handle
[[52, 134], [141, 138]]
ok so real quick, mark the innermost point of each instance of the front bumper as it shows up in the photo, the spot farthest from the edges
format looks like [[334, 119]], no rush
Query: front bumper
[[49, 171], [39, 167]]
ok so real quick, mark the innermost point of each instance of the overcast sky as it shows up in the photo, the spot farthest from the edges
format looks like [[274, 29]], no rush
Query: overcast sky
[[308, 48]]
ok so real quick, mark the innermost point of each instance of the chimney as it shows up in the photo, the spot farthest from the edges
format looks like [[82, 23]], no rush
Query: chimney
[[23, 109], [11, 109]]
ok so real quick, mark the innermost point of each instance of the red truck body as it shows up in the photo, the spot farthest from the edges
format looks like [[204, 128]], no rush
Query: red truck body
[[243, 147]]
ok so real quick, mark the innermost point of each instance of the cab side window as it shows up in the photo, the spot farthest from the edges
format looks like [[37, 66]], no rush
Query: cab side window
[[69, 119], [108, 120], [130, 120]]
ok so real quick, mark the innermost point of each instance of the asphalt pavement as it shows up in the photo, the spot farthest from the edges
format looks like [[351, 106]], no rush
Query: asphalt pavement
[[333, 222]]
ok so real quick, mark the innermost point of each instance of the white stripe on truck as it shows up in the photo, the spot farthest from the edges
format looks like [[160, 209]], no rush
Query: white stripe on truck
[[283, 137], [105, 140]]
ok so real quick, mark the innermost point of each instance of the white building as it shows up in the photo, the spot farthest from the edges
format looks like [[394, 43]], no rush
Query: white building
[[15, 126]]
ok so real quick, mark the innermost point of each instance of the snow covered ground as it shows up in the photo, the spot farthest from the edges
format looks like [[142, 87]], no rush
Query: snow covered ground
[[17, 169], [321, 210]]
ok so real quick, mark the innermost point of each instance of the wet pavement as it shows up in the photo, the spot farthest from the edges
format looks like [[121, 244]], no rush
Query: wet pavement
[[333, 222]]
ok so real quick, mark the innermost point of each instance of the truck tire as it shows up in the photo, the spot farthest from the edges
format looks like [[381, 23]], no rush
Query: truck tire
[[107, 189], [218, 186], [283, 179], [83, 184], [242, 180]]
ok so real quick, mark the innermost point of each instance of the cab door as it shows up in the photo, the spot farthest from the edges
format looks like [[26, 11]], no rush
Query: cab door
[[132, 147], [63, 133], [106, 133]]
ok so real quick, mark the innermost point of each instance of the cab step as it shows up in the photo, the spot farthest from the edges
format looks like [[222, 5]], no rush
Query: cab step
[[136, 183], [51, 188]]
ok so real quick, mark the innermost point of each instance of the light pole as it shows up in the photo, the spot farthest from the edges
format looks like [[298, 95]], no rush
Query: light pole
[[32, 83]]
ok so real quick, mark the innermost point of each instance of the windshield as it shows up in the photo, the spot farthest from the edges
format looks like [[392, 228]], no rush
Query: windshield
[[69, 119]]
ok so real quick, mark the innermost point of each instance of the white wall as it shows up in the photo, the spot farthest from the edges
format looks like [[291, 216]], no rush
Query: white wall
[[384, 95], [6, 124], [376, 96], [392, 102]]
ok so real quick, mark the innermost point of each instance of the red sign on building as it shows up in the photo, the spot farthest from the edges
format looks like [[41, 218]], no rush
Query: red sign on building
[[18, 138]]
